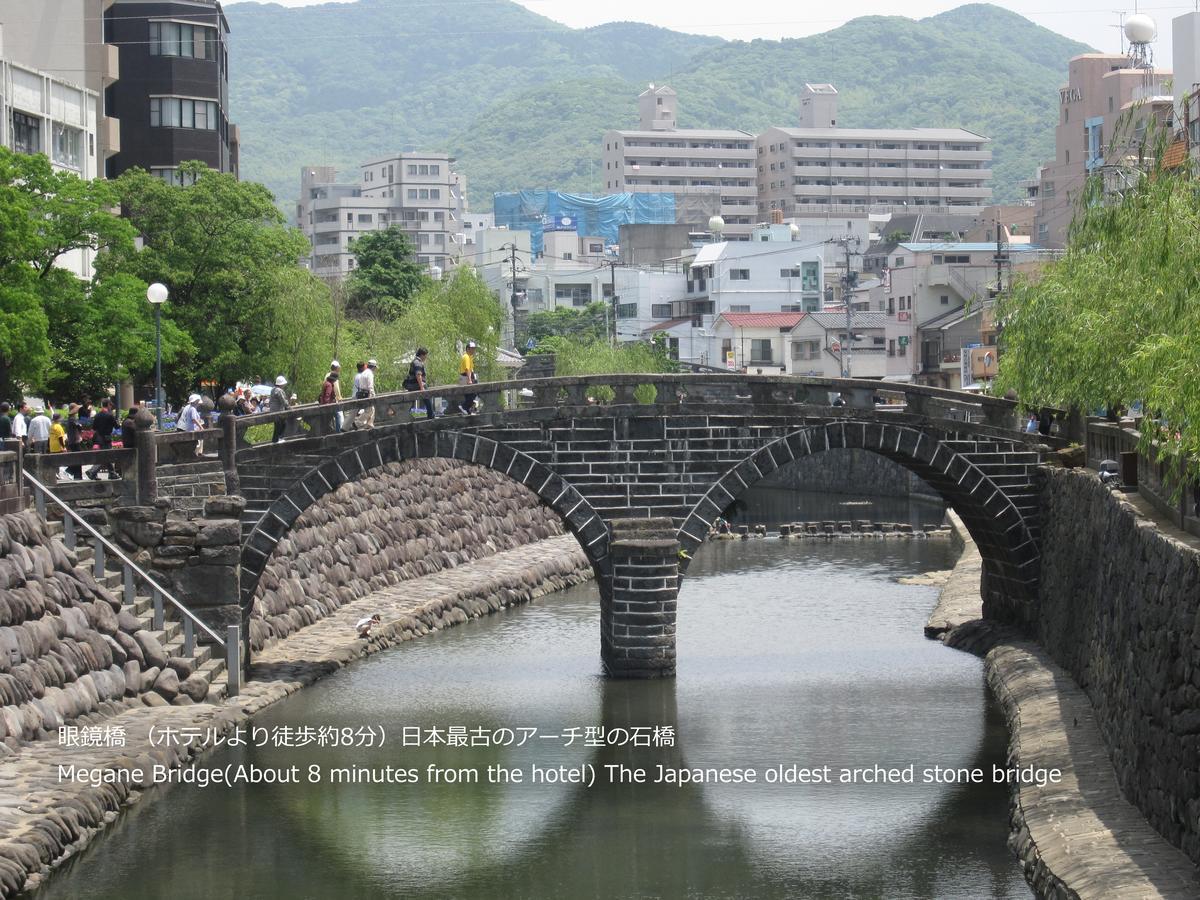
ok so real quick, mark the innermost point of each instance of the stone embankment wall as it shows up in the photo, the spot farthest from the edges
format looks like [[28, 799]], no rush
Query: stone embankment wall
[[1119, 608], [858, 472], [67, 648], [402, 521]]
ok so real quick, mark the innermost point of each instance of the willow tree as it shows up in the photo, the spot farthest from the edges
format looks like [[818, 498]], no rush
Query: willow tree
[[1117, 319]]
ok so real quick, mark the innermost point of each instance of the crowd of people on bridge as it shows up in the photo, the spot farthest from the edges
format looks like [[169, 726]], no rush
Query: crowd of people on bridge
[[72, 428]]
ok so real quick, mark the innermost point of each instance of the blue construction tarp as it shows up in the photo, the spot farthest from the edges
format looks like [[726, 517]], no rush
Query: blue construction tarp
[[538, 211]]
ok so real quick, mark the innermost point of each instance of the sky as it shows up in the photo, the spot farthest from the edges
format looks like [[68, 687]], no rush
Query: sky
[[1093, 22]]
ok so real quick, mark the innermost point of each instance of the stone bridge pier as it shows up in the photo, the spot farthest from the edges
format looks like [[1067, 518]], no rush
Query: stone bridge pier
[[637, 607]]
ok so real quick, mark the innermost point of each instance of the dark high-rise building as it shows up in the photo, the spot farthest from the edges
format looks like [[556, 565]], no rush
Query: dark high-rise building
[[172, 96]]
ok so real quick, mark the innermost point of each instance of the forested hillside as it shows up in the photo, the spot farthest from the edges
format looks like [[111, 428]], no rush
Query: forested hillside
[[522, 101]]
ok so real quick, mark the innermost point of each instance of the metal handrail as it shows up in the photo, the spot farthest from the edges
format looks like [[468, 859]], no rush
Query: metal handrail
[[231, 643]]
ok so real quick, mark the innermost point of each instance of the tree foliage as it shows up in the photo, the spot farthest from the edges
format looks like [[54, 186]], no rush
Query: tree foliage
[[386, 275], [1116, 320], [221, 248], [585, 325]]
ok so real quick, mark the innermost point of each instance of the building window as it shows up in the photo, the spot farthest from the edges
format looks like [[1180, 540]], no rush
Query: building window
[[739, 274], [578, 294], [760, 350], [627, 310], [806, 349], [423, 239], [899, 261], [810, 278], [178, 112], [68, 145], [412, 193], [182, 39], [891, 346], [660, 310], [739, 308], [945, 299], [26, 133], [365, 218], [435, 194], [435, 170], [790, 273], [595, 248], [172, 175]]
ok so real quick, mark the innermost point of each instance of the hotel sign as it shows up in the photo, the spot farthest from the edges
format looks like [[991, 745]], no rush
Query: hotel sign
[[1069, 95]]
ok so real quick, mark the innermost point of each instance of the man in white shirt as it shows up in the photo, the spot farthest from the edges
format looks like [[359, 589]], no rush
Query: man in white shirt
[[39, 433], [365, 385], [20, 428], [190, 419]]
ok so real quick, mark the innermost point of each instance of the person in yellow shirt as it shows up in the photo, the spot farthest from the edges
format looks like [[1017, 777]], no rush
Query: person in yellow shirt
[[58, 435], [466, 375]]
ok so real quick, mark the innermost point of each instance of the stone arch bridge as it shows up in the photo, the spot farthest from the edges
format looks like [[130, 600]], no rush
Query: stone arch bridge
[[637, 466]]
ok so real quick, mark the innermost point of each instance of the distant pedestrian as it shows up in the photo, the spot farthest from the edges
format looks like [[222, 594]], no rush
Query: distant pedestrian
[[1045, 421], [279, 403], [58, 434], [6, 428], [39, 433], [191, 421], [368, 383], [1031, 426], [74, 439], [104, 423], [331, 392], [360, 392], [466, 375], [364, 626], [416, 380], [20, 425]]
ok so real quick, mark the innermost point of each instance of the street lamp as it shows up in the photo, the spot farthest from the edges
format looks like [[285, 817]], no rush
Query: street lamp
[[157, 295]]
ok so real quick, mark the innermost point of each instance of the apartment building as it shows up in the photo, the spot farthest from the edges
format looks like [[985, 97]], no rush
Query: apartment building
[[822, 169], [939, 297], [1102, 110], [712, 167], [66, 40], [40, 113], [418, 192]]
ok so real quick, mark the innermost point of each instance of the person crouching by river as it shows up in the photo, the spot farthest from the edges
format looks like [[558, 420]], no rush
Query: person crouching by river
[[417, 380]]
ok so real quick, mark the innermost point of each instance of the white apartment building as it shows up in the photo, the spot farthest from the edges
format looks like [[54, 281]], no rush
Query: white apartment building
[[40, 113], [713, 169], [817, 342], [418, 192]]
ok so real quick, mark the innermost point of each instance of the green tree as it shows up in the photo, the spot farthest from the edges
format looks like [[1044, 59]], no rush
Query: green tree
[[585, 325], [1116, 321], [299, 340], [45, 215], [386, 275], [220, 246]]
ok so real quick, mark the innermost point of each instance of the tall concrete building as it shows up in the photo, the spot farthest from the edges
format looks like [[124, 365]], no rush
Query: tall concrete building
[[418, 192], [66, 40], [172, 103], [823, 169], [659, 158], [1102, 109]]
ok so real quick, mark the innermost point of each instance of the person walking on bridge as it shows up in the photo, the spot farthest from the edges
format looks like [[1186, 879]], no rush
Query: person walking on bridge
[[279, 403], [416, 380], [466, 375], [331, 392]]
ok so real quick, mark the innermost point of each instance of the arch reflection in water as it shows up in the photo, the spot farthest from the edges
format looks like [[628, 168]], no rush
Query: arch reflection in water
[[805, 653]]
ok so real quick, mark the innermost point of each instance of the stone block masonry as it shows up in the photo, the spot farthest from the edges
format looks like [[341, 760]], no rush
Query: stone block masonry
[[1119, 608], [638, 610]]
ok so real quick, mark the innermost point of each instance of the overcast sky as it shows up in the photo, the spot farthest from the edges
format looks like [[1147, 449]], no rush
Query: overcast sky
[[1090, 21]]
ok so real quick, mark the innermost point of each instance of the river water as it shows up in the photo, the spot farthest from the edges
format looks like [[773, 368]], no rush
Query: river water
[[790, 653]]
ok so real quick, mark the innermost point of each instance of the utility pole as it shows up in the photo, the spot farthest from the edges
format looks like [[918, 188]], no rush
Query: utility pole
[[512, 260], [848, 282], [612, 290]]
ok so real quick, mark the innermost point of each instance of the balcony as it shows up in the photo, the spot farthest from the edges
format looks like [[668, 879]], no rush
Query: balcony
[[110, 63], [108, 134], [697, 286]]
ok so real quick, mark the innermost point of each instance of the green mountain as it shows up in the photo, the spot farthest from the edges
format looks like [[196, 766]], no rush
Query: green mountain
[[522, 101]]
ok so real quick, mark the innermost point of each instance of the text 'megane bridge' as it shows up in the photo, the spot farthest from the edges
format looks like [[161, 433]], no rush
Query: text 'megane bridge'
[[638, 466]]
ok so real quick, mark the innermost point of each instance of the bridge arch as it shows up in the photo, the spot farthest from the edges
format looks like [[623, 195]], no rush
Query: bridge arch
[[576, 513], [1008, 548]]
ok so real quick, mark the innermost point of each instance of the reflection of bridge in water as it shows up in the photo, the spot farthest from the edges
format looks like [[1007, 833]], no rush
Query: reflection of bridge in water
[[638, 466]]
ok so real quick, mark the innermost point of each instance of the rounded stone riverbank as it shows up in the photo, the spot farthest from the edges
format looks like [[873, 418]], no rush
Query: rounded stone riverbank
[[1077, 837]]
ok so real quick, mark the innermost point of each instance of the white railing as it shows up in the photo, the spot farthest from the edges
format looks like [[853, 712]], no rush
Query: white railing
[[132, 574]]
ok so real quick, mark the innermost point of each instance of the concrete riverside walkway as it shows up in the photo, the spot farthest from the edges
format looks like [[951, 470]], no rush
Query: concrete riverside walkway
[[46, 817], [1079, 838]]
